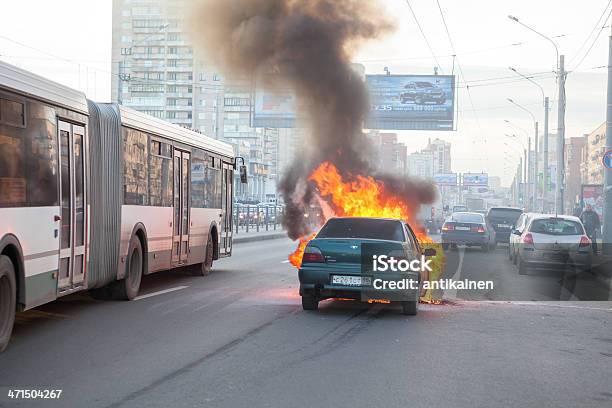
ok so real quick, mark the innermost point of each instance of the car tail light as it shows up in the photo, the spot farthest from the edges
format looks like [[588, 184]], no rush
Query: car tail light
[[480, 229], [448, 227], [528, 239], [584, 241], [312, 255]]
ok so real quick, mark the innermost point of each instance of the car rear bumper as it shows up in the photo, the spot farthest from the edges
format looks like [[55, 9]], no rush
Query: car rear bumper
[[317, 282], [467, 238], [545, 259], [502, 236]]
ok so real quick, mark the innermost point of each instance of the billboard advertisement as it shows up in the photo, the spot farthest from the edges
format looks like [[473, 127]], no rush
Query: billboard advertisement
[[411, 102], [593, 194], [274, 103], [449, 179], [476, 180]]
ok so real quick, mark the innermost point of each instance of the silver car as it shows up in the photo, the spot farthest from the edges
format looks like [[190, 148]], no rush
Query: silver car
[[515, 236], [554, 243]]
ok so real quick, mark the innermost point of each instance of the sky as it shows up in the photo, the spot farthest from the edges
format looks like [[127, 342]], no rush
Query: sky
[[70, 41]]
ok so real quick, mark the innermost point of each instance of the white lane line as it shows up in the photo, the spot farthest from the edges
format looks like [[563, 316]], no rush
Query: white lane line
[[543, 303], [285, 261], [452, 293], [161, 292]]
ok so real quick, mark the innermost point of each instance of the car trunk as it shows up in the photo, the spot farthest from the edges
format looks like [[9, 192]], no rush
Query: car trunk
[[349, 250], [555, 243]]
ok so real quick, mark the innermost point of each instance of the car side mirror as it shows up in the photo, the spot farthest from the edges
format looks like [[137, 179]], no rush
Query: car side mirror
[[428, 252], [516, 232]]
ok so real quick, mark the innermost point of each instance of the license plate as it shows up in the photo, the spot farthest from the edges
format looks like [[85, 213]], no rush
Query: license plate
[[462, 228], [504, 226], [346, 280]]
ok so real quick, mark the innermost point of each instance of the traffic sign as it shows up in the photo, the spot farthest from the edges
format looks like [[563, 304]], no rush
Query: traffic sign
[[607, 160]]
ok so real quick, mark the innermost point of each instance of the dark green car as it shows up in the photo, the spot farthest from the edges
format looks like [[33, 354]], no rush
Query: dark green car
[[340, 263]]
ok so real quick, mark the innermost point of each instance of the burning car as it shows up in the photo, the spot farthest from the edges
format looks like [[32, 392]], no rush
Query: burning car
[[422, 92], [333, 264]]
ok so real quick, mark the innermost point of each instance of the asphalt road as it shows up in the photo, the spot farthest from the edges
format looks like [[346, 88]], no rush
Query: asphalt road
[[238, 338]]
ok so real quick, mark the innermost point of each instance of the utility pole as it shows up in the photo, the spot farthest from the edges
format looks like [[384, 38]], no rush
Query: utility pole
[[561, 138], [607, 222], [545, 172], [536, 190], [529, 198]]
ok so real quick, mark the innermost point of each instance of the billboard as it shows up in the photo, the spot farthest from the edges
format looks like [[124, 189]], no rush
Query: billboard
[[593, 194], [274, 103], [476, 180], [449, 179], [411, 102]]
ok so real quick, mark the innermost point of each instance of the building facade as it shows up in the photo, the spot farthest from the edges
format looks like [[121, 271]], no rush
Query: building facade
[[391, 156], [441, 152], [573, 169], [421, 164], [594, 149]]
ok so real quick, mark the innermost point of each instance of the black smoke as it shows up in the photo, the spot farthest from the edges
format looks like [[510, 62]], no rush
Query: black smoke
[[310, 43]]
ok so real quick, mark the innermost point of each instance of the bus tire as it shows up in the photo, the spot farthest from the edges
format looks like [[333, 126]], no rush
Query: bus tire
[[128, 288], [205, 267], [8, 300]]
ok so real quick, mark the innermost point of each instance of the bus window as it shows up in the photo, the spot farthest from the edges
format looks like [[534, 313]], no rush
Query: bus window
[[135, 167]]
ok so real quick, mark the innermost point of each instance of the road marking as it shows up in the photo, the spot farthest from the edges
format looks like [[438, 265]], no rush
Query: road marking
[[452, 293], [541, 303], [285, 261], [161, 292]]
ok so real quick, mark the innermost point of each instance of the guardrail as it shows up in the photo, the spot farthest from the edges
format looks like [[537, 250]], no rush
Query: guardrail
[[257, 217]]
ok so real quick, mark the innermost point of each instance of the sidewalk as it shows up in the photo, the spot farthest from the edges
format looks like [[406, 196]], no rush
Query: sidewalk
[[253, 236]]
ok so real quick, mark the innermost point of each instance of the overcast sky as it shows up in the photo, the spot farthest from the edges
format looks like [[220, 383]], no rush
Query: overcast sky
[[70, 41]]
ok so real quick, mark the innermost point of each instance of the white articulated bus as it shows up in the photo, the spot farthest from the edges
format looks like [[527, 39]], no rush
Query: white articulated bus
[[94, 196]]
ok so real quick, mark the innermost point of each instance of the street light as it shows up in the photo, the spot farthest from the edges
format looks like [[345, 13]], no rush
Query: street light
[[545, 155], [561, 76], [533, 163]]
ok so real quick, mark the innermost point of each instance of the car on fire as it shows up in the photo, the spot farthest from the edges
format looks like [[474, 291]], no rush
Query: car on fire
[[468, 228], [335, 264], [421, 92], [553, 242]]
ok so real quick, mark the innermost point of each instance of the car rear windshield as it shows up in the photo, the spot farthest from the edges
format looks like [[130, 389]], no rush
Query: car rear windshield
[[362, 228], [556, 226], [466, 217], [509, 214]]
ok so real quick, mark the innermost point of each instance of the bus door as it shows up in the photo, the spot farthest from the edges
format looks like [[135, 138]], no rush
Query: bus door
[[73, 215], [180, 239], [227, 194]]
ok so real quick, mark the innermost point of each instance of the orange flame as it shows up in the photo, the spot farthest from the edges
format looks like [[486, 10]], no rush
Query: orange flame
[[362, 197]]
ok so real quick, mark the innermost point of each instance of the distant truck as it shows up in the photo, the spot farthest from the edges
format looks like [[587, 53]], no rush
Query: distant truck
[[476, 204]]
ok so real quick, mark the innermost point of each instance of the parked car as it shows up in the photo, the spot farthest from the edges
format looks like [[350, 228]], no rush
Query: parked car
[[502, 219], [421, 92], [553, 242], [332, 262], [468, 228], [515, 235], [460, 208]]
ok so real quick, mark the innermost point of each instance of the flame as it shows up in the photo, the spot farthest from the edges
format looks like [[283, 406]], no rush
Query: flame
[[363, 196]]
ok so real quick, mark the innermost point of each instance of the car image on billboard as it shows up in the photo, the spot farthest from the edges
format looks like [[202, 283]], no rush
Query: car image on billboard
[[411, 102]]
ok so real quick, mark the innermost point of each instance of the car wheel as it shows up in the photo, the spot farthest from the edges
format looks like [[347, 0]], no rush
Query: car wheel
[[509, 253], [204, 268], [8, 300], [310, 302], [485, 248], [418, 100], [522, 267], [494, 246], [410, 308], [128, 288]]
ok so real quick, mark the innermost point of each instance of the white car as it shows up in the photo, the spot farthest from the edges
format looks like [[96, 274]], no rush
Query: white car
[[515, 235], [554, 243]]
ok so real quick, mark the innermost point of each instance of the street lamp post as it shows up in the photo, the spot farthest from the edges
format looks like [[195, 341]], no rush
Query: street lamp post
[[533, 163], [561, 76], [545, 147], [524, 180]]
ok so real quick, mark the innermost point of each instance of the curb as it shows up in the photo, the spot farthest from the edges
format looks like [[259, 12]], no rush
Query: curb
[[263, 237]]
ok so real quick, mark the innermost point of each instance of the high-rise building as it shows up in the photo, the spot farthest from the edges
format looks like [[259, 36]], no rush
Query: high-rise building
[[390, 155], [156, 69], [421, 164], [441, 152]]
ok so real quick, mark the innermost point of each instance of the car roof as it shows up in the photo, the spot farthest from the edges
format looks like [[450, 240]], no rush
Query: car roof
[[506, 208], [365, 218], [552, 216]]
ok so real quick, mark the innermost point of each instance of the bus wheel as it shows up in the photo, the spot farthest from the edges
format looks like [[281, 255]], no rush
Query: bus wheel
[[205, 267], [8, 300], [127, 289]]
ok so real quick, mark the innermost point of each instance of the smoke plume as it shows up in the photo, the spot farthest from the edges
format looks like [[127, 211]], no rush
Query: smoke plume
[[310, 43]]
